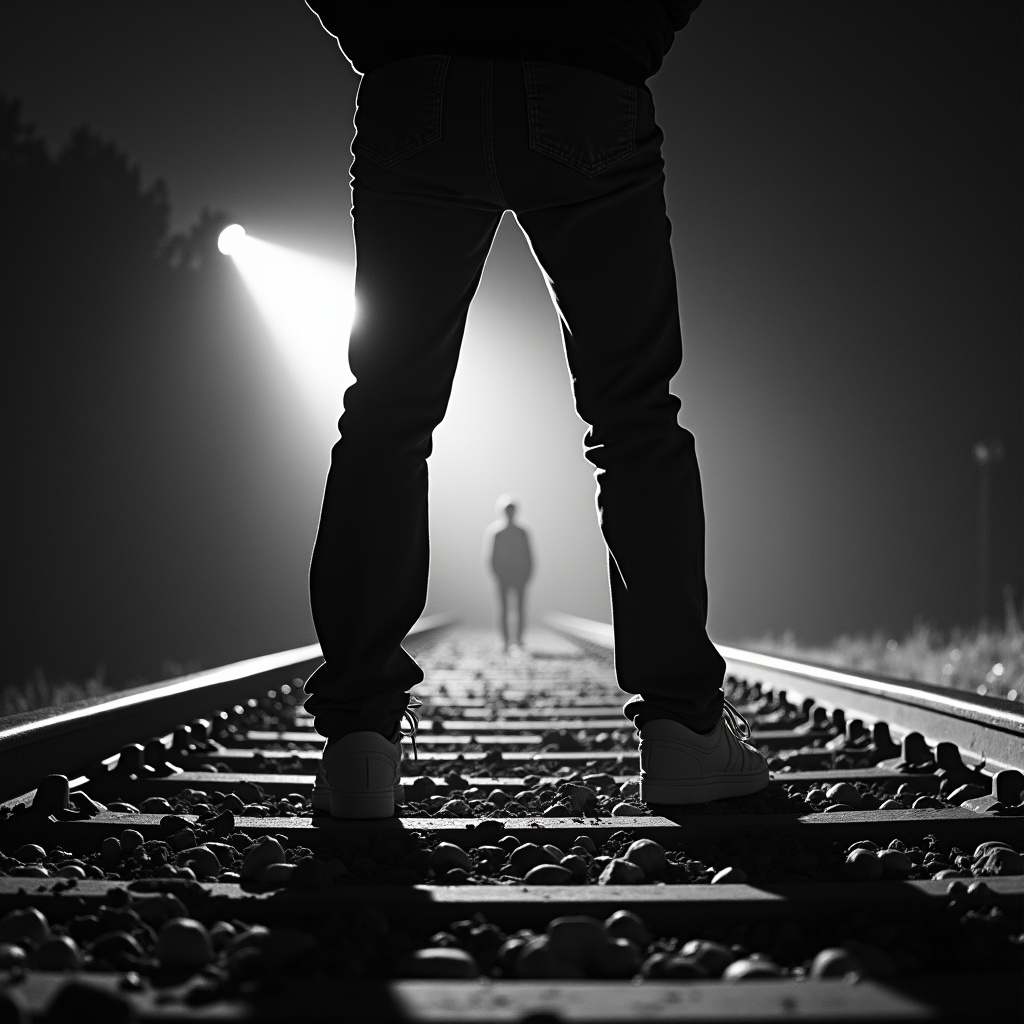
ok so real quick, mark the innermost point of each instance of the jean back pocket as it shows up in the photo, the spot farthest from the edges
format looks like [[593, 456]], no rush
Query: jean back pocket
[[579, 117], [398, 108]]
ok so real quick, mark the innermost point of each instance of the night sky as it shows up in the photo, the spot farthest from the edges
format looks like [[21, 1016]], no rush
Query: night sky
[[844, 184]]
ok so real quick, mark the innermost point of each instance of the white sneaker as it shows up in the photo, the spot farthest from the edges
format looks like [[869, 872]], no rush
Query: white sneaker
[[360, 776], [680, 766]]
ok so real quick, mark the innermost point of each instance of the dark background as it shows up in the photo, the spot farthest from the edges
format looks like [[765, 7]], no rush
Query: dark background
[[844, 186]]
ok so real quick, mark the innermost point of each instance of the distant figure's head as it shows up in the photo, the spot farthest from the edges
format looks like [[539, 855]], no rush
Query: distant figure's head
[[507, 504]]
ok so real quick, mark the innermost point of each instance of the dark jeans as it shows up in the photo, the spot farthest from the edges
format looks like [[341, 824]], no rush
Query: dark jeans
[[444, 145]]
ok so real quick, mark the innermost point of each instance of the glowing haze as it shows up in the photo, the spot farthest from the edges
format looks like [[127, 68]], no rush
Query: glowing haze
[[510, 425]]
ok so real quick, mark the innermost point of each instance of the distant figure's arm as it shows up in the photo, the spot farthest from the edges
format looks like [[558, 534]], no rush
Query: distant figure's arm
[[527, 554]]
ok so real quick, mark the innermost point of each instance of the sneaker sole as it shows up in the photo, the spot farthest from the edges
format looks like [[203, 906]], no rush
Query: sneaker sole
[[340, 804], [700, 791]]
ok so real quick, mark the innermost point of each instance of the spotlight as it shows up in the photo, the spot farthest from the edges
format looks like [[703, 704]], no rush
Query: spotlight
[[230, 239]]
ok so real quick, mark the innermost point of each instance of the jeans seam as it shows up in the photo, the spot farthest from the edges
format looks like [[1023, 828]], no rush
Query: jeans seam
[[487, 102]]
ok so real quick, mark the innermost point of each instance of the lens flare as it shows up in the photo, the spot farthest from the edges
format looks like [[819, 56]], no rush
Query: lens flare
[[231, 239]]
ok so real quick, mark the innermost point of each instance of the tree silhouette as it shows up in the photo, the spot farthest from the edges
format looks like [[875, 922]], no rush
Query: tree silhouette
[[133, 388]]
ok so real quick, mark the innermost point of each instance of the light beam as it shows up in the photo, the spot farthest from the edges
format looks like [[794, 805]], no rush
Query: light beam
[[307, 304]]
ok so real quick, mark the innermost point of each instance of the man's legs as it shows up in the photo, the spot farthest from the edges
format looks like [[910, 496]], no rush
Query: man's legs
[[520, 593], [606, 253], [503, 611], [419, 258]]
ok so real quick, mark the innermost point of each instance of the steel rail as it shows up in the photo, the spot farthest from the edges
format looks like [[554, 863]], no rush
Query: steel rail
[[986, 727], [77, 736]]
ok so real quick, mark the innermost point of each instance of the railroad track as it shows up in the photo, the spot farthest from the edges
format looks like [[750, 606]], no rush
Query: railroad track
[[159, 859]]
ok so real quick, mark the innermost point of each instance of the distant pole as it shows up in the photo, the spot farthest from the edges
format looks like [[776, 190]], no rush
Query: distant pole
[[986, 454]]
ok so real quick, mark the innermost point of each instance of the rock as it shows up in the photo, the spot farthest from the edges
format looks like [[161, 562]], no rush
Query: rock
[[221, 933], [999, 861], [844, 793], [420, 788], [548, 874], [625, 810], [669, 967], [730, 876], [155, 805], [222, 825], [620, 958], [578, 939], [12, 955], [576, 866], [184, 943], [24, 925], [984, 848], [586, 842], [171, 823], [862, 866], [557, 810], [131, 840], [527, 856], [714, 957], [267, 851], [630, 790], [619, 871], [581, 798], [157, 909], [60, 953], [71, 871], [275, 874], [649, 856], [30, 871], [457, 809], [835, 962], [116, 948], [927, 803], [201, 859], [224, 852], [445, 856], [438, 963], [182, 840], [490, 855], [250, 792], [624, 924], [30, 853], [535, 959], [892, 805], [752, 967], [895, 863], [488, 829], [110, 850]]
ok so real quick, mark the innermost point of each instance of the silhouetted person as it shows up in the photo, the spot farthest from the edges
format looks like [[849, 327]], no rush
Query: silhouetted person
[[511, 560], [466, 110]]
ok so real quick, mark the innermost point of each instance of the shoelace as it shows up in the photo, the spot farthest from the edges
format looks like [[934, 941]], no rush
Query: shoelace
[[409, 715], [735, 722]]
